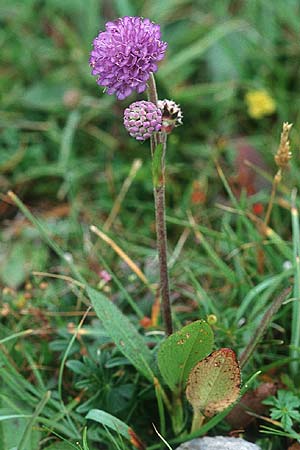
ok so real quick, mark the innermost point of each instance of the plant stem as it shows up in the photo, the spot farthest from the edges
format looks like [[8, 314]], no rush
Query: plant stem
[[177, 418], [158, 166], [198, 419], [161, 232], [260, 252], [152, 97], [152, 91], [276, 181]]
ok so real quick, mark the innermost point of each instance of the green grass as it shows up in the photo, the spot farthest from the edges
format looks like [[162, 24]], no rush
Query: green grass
[[65, 154]]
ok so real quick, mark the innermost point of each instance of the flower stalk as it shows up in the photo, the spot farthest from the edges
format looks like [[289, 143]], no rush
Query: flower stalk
[[158, 143], [158, 166], [152, 97]]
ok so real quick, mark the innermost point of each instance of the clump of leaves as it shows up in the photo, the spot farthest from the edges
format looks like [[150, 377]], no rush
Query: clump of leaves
[[285, 408], [211, 380], [105, 386]]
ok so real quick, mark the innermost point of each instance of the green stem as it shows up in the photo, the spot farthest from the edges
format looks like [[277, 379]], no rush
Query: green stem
[[152, 97], [177, 413], [276, 181], [198, 419], [152, 91], [160, 405]]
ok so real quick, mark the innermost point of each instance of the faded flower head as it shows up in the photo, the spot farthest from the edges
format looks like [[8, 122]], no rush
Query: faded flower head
[[259, 104], [171, 115], [142, 119], [125, 54], [284, 154]]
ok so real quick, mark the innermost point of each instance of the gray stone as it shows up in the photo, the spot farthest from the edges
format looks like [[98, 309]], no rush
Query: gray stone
[[218, 443]]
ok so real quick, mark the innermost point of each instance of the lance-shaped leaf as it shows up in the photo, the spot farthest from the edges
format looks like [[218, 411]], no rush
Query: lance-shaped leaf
[[179, 353], [214, 383], [123, 333]]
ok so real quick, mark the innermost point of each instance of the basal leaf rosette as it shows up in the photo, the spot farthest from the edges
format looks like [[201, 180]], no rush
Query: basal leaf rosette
[[125, 54]]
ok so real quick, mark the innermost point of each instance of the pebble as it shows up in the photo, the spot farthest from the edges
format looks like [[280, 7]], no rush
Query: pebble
[[218, 443]]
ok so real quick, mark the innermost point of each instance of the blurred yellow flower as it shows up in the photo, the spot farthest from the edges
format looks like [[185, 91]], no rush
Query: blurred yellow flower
[[259, 104]]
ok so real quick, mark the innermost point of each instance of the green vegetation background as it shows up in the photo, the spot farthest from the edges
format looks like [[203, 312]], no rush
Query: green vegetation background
[[65, 153]]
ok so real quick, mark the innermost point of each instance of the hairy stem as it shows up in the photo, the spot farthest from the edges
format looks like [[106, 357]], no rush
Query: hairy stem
[[161, 232], [159, 145]]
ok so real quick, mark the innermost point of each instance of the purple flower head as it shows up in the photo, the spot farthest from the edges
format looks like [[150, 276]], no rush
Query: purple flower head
[[125, 54], [142, 119]]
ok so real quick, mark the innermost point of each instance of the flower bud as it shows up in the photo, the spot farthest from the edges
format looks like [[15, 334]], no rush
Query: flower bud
[[142, 119], [171, 115], [212, 319]]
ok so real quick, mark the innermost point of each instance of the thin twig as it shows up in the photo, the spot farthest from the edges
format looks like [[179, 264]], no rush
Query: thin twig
[[60, 277], [122, 255]]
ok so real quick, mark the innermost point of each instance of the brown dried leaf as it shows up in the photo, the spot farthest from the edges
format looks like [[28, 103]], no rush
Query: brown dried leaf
[[294, 446], [214, 383], [252, 401]]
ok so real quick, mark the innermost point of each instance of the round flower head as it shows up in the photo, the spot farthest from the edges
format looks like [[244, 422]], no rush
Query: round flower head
[[125, 54], [142, 119]]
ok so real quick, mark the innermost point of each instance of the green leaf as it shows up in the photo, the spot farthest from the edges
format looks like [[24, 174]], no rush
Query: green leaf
[[123, 333], [110, 421], [115, 424], [179, 353], [76, 366], [214, 383]]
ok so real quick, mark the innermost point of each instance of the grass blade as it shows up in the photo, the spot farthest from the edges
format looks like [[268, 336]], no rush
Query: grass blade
[[23, 442], [196, 50], [295, 331], [263, 325]]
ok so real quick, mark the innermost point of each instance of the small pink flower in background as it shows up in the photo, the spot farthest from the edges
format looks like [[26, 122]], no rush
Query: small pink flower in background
[[124, 55], [105, 276]]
